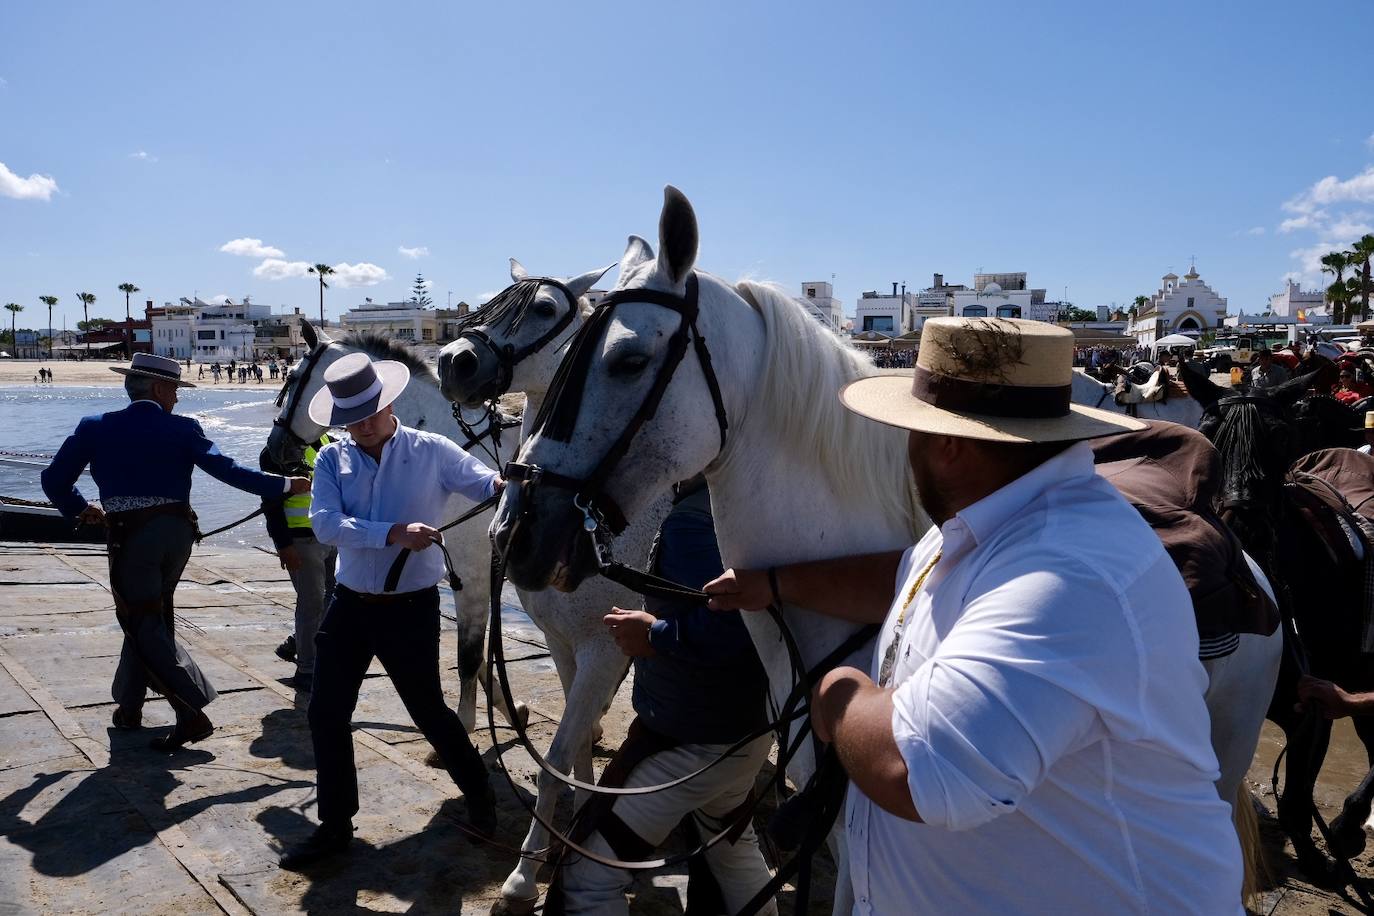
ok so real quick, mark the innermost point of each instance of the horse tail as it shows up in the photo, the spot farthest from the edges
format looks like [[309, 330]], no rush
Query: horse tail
[[1246, 820]]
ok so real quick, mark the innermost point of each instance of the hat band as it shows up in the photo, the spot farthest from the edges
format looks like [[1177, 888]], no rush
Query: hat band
[[965, 396], [362, 397], [150, 370]]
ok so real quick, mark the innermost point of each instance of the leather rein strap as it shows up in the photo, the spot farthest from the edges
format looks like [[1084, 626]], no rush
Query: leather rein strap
[[507, 356]]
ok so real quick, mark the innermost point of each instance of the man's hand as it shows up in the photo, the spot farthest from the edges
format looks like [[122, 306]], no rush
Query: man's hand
[[1325, 698], [290, 558], [739, 589], [832, 696], [92, 515], [299, 485], [498, 485], [631, 631], [416, 535]]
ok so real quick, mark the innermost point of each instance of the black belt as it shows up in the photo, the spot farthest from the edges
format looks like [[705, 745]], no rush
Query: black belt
[[386, 598]]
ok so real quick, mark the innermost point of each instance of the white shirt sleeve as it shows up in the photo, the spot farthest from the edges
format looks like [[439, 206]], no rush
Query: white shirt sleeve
[[327, 517], [461, 473], [1041, 655]]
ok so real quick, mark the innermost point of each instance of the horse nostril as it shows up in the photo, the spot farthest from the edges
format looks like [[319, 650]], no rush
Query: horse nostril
[[465, 365]]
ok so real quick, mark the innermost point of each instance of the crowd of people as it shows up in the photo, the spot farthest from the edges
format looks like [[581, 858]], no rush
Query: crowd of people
[[242, 373]]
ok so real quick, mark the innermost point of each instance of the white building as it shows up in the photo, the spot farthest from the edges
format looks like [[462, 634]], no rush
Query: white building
[[1178, 307], [404, 321], [1293, 299], [992, 301], [818, 298], [893, 315], [207, 331]]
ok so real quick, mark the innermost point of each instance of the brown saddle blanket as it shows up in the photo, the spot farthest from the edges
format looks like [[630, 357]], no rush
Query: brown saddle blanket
[[1329, 488], [1171, 474]]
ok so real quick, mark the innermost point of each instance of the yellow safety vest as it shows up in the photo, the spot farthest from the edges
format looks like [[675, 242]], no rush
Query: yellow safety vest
[[298, 507]]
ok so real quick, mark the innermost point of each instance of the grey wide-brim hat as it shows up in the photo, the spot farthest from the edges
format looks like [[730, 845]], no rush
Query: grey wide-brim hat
[[152, 366], [355, 388]]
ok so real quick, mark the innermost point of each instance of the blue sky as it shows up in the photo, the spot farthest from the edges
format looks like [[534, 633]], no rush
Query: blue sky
[[1094, 145]]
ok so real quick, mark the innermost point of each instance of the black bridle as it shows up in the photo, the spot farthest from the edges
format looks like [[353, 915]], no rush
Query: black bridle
[[558, 415], [512, 305], [295, 387]]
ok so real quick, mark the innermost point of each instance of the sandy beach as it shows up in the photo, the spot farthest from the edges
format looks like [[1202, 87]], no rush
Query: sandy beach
[[97, 372]]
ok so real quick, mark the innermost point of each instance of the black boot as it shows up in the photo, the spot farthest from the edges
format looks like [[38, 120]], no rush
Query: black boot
[[328, 841], [287, 650], [190, 728]]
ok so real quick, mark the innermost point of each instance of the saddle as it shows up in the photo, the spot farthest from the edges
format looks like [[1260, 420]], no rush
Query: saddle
[[1171, 475]]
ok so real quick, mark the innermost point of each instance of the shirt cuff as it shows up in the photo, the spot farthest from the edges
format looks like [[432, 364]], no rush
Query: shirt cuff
[[662, 637], [286, 484]]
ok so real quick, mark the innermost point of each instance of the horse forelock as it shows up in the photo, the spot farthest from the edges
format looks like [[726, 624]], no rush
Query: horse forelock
[[1240, 441], [805, 366]]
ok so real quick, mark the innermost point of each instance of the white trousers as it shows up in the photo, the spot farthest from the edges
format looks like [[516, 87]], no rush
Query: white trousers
[[592, 888]]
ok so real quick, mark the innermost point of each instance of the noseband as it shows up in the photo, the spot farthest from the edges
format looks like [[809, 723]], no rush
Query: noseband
[[558, 415], [516, 298]]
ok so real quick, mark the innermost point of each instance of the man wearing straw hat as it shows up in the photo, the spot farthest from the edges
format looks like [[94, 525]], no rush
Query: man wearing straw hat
[[1032, 734], [141, 458], [379, 491]]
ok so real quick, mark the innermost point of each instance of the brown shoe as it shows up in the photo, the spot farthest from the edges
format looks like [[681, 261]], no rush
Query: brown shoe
[[186, 731], [127, 717]]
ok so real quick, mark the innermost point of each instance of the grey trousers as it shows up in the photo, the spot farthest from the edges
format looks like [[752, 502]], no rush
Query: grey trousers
[[144, 572], [314, 584]]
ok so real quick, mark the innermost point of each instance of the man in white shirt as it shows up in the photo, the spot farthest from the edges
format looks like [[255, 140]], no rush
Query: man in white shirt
[[1033, 734], [376, 494]]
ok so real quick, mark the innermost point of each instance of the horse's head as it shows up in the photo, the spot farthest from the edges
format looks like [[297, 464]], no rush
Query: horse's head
[[513, 341], [630, 409], [1256, 437], [293, 429]]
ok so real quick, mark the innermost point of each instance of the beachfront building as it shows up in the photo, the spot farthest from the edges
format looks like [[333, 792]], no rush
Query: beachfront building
[[1301, 303], [892, 315], [1188, 306], [207, 332], [818, 298], [403, 321]]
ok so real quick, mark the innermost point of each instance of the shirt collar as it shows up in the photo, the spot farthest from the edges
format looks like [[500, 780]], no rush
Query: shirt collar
[[985, 517], [147, 401]]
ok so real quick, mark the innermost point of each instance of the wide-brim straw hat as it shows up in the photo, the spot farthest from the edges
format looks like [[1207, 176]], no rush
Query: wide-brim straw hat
[[153, 366], [996, 379], [355, 388]]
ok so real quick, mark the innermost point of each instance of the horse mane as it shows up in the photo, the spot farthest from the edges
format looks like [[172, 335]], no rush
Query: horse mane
[[379, 347], [806, 364]]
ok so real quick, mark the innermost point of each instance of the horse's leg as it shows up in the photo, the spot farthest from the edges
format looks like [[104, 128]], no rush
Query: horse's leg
[[594, 682], [471, 608], [1347, 830], [1306, 750]]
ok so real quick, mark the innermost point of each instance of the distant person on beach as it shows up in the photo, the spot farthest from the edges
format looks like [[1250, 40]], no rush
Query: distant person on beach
[[141, 458], [200, 371]]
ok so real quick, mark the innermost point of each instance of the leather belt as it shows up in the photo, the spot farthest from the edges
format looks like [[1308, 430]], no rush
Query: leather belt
[[386, 598]]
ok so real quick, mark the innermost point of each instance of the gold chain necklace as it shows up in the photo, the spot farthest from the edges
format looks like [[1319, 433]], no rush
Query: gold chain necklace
[[890, 656]]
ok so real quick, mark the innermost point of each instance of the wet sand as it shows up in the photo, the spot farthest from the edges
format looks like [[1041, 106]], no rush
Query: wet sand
[[97, 372]]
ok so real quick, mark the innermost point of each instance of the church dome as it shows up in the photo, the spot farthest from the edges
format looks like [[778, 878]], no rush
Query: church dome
[[993, 289]]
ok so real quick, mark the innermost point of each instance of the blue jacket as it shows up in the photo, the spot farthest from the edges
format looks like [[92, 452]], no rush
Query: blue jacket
[[143, 450]]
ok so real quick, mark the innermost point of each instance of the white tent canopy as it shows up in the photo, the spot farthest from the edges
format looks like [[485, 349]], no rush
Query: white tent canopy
[[1175, 340]]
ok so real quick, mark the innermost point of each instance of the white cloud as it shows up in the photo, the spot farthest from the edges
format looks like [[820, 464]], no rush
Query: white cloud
[[345, 275], [414, 254], [1307, 221], [1369, 141], [1255, 230], [251, 248], [277, 269], [1358, 189], [35, 187], [360, 274], [143, 156]]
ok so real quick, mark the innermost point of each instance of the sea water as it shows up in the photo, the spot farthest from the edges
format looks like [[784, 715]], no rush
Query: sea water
[[35, 419]]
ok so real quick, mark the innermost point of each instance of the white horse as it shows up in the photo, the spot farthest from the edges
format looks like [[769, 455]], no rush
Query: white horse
[[420, 406], [799, 477], [590, 665], [1151, 401]]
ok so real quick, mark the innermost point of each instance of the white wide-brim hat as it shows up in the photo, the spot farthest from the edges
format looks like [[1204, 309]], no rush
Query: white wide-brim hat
[[996, 379], [355, 388], [153, 366]]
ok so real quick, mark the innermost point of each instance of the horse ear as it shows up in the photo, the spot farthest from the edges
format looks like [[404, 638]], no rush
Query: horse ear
[[1205, 391], [1291, 391], [308, 333], [579, 285], [677, 235], [637, 251], [517, 271]]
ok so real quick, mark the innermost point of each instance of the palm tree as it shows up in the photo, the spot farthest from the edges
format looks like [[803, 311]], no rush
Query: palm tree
[[87, 300], [49, 301], [127, 289], [322, 271], [14, 308], [1363, 251], [1336, 263], [1338, 294]]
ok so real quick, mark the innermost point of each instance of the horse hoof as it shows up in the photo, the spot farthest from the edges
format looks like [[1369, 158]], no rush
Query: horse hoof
[[1319, 870], [522, 714], [514, 906], [1347, 838]]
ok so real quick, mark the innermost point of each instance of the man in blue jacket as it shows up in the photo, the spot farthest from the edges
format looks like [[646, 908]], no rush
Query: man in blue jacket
[[141, 458]]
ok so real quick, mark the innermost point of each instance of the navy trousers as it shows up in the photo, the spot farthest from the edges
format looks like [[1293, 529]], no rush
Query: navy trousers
[[404, 636]]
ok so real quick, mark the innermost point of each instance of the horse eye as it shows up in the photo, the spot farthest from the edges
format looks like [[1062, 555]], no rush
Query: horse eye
[[629, 365], [545, 309]]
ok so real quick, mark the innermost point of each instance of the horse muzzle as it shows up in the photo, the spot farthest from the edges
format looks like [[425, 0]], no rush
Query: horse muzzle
[[541, 535], [469, 374]]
